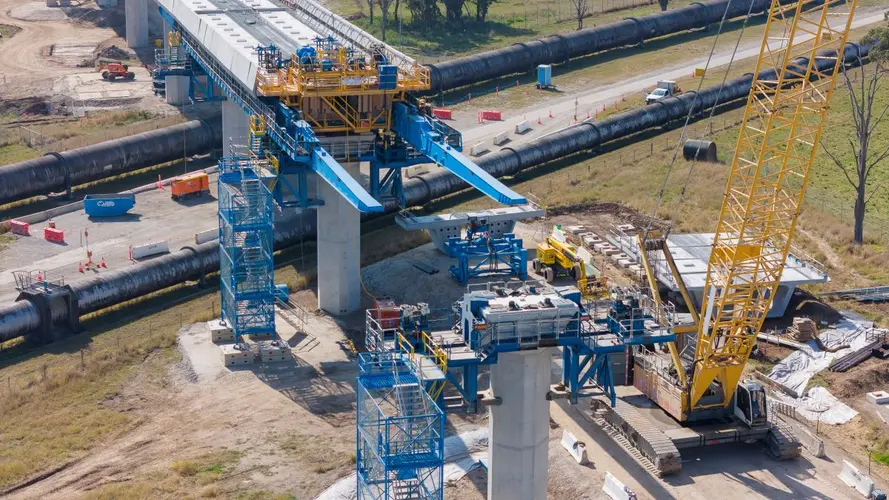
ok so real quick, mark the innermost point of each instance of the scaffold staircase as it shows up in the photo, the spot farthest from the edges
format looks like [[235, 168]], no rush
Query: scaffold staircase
[[246, 234], [400, 450]]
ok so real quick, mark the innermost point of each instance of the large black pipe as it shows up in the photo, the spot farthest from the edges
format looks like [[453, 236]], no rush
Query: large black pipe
[[114, 287], [56, 172], [525, 56], [118, 286], [591, 134]]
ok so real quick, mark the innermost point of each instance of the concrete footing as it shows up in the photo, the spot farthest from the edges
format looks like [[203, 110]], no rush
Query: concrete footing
[[220, 332], [177, 89], [137, 23], [519, 426], [270, 352], [235, 127], [339, 250], [237, 355]]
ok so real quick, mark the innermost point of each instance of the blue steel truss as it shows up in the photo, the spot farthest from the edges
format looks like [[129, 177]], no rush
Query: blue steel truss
[[486, 257], [245, 248], [400, 431]]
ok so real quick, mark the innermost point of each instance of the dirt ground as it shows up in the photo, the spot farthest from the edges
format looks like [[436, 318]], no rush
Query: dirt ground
[[46, 66]]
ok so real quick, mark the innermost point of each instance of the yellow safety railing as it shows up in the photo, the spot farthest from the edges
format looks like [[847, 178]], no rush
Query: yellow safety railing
[[434, 352]]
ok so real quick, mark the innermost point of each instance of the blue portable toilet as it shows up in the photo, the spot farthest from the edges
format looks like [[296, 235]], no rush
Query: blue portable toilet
[[544, 76]]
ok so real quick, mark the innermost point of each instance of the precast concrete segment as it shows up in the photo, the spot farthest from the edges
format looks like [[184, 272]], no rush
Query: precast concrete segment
[[525, 56], [136, 23], [56, 171], [519, 426], [339, 258], [176, 87], [235, 126], [590, 134]]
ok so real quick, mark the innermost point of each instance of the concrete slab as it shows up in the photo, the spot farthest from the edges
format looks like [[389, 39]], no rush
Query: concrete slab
[[878, 397]]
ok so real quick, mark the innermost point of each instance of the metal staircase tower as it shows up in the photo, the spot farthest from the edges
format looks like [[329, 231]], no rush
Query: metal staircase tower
[[245, 244], [400, 432]]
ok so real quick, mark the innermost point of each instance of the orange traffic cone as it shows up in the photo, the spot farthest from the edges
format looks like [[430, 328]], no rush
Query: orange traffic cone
[[80, 267], [538, 121], [39, 276], [102, 264], [551, 114], [587, 115]]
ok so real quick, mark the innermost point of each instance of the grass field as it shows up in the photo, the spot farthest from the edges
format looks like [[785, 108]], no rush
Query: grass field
[[508, 21]]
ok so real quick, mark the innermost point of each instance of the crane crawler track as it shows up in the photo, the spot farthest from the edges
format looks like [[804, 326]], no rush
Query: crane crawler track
[[638, 435]]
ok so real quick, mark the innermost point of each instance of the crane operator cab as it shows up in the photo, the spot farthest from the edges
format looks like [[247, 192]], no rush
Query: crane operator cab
[[750, 403]]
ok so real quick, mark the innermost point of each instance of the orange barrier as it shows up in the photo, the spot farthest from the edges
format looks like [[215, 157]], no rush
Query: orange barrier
[[490, 115], [53, 235], [20, 228], [443, 114]]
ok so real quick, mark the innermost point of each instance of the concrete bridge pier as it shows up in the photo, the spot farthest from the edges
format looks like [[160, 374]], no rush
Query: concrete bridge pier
[[519, 425], [137, 23]]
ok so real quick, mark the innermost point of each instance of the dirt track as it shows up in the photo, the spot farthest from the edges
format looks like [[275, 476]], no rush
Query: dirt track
[[26, 72]]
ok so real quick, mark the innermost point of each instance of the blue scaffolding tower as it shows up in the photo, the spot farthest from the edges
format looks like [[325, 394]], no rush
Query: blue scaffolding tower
[[245, 248], [400, 431]]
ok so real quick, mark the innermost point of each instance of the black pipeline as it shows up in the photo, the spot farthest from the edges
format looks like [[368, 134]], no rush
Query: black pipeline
[[55, 172], [555, 49]]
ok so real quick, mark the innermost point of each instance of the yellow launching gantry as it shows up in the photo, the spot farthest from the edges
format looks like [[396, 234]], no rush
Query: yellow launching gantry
[[338, 89]]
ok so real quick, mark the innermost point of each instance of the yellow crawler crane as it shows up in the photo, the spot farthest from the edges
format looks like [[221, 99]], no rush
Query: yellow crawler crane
[[701, 387]]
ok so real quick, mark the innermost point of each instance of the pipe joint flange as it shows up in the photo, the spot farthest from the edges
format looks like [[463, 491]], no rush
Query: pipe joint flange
[[64, 163]]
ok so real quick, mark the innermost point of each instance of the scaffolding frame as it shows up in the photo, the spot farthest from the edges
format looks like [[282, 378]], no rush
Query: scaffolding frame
[[400, 431], [246, 236]]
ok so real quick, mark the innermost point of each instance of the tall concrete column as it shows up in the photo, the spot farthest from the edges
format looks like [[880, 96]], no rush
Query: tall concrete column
[[519, 426], [235, 127], [339, 250], [137, 23]]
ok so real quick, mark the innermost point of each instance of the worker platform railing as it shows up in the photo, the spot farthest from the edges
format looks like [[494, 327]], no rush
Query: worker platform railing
[[400, 431]]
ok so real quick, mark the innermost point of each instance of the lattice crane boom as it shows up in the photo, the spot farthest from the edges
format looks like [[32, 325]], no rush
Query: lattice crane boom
[[782, 126]]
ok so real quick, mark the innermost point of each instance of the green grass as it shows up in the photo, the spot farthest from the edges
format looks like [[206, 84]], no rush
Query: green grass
[[7, 31], [16, 152], [508, 21]]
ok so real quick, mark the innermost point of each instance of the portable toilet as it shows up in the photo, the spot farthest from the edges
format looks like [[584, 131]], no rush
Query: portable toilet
[[544, 76]]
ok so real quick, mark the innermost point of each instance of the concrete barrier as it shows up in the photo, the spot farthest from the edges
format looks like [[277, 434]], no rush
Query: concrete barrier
[[501, 138], [856, 479], [205, 236], [478, 149], [812, 443], [576, 448], [149, 249], [522, 127], [617, 490], [443, 114]]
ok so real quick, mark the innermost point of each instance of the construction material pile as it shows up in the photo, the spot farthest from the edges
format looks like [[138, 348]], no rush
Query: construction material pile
[[803, 329]]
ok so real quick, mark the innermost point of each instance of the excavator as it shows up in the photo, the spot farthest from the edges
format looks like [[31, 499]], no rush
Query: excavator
[[699, 383]]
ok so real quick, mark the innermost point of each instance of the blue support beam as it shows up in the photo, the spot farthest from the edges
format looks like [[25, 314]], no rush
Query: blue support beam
[[428, 137]]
